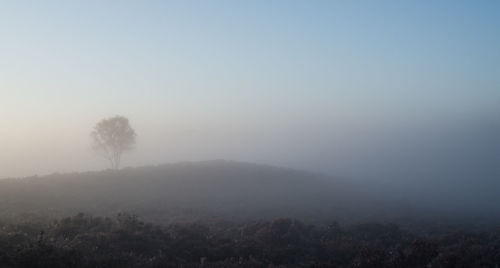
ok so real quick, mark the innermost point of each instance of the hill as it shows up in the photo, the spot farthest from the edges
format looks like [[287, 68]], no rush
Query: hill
[[195, 190]]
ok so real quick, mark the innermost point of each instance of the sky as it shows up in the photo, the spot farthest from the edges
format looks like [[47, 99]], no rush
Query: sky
[[318, 85]]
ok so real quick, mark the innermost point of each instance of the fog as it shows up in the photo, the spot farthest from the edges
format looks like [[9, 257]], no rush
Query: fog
[[249, 134], [452, 162], [336, 89]]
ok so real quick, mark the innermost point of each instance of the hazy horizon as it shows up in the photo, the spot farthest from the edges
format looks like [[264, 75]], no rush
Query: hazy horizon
[[349, 89]]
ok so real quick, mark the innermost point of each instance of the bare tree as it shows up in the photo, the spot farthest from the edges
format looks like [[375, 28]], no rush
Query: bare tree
[[112, 137]]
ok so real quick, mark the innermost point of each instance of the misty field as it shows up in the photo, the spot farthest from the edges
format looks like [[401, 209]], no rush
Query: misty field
[[227, 214], [249, 133]]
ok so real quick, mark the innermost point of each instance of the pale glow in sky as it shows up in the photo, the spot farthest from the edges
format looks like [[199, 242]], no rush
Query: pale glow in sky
[[295, 83]]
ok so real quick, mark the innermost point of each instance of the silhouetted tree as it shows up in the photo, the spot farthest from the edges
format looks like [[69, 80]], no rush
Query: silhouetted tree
[[112, 137]]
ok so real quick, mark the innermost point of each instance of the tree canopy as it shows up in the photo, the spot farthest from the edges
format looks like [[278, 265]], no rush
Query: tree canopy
[[112, 137]]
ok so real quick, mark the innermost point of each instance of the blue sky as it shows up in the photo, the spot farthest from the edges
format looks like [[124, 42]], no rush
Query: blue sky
[[231, 66]]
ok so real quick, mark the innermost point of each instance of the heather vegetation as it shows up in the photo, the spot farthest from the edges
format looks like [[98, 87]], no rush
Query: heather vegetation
[[127, 241], [226, 214]]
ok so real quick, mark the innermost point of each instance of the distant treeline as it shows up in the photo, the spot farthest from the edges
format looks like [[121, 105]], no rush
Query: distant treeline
[[126, 241]]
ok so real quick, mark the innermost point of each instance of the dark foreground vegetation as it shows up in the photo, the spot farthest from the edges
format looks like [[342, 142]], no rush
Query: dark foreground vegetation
[[227, 214], [126, 241]]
